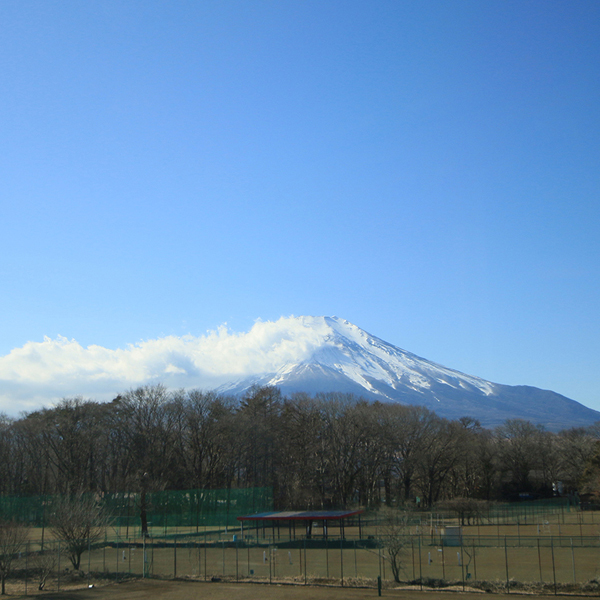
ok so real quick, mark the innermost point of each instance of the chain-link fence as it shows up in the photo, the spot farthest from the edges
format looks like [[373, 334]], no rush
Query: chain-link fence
[[557, 548], [215, 555], [167, 512]]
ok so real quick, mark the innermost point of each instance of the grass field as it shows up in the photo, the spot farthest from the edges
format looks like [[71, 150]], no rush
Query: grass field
[[184, 590], [557, 549]]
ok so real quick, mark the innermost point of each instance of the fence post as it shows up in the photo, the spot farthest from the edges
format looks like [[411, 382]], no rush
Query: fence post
[[26, 566], [553, 566], [174, 558], [342, 560], [420, 565], [89, 559], [462, 561], [58, 574], [506, 562], [305, 578], [540, 560], [443, 563], [573, 560]]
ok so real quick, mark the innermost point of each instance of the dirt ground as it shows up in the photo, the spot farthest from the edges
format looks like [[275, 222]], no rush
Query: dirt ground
[[183, 590]]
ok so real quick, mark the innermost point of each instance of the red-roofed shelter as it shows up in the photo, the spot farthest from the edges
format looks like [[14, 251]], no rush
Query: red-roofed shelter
[[307, 518]]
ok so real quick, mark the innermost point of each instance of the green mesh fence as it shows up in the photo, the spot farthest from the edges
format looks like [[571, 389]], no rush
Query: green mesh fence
[[186, 510], [527, 509]]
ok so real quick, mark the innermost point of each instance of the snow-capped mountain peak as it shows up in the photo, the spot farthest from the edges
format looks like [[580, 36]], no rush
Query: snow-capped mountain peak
[[363, 358], [329, 354]]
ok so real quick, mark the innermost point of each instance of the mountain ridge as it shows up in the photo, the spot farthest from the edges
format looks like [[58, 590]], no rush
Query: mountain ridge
[[350, 360]]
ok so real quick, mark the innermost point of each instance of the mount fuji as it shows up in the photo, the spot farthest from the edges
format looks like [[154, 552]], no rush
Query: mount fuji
[[337, 356]]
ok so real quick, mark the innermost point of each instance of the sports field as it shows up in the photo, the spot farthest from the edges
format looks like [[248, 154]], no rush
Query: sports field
[[180, 590], [550, 552]]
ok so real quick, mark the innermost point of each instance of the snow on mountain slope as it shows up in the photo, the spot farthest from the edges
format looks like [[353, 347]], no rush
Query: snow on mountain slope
[[361, 357], [297, 354], [337, 356]]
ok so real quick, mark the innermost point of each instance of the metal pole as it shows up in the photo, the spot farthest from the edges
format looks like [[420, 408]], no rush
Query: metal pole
[[462, 560], [26, 566], [305, 579], [58, 577], [553, 565], [506, 562], [420, 565]]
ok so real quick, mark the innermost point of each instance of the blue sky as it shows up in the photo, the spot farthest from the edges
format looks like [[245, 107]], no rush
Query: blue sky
[[428, 171]]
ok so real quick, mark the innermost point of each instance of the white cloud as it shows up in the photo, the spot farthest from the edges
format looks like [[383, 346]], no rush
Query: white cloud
[[39, 373]]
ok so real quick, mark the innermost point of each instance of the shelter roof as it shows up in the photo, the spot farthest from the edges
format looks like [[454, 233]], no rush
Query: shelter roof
[[311, 515]]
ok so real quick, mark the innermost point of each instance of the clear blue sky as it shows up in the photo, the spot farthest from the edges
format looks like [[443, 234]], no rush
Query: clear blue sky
[[428, 171]]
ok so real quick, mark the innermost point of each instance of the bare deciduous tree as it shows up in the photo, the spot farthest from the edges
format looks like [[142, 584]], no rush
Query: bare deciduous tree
[[13, 536], [466, 509], [393, 536], [44, 563], [78, 521]]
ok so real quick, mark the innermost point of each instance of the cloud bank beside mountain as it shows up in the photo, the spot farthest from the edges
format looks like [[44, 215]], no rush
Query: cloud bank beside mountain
[[40, 373], [311, 354]]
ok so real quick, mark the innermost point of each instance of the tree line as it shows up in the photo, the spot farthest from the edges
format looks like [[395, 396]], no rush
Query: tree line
[[330, 450]]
